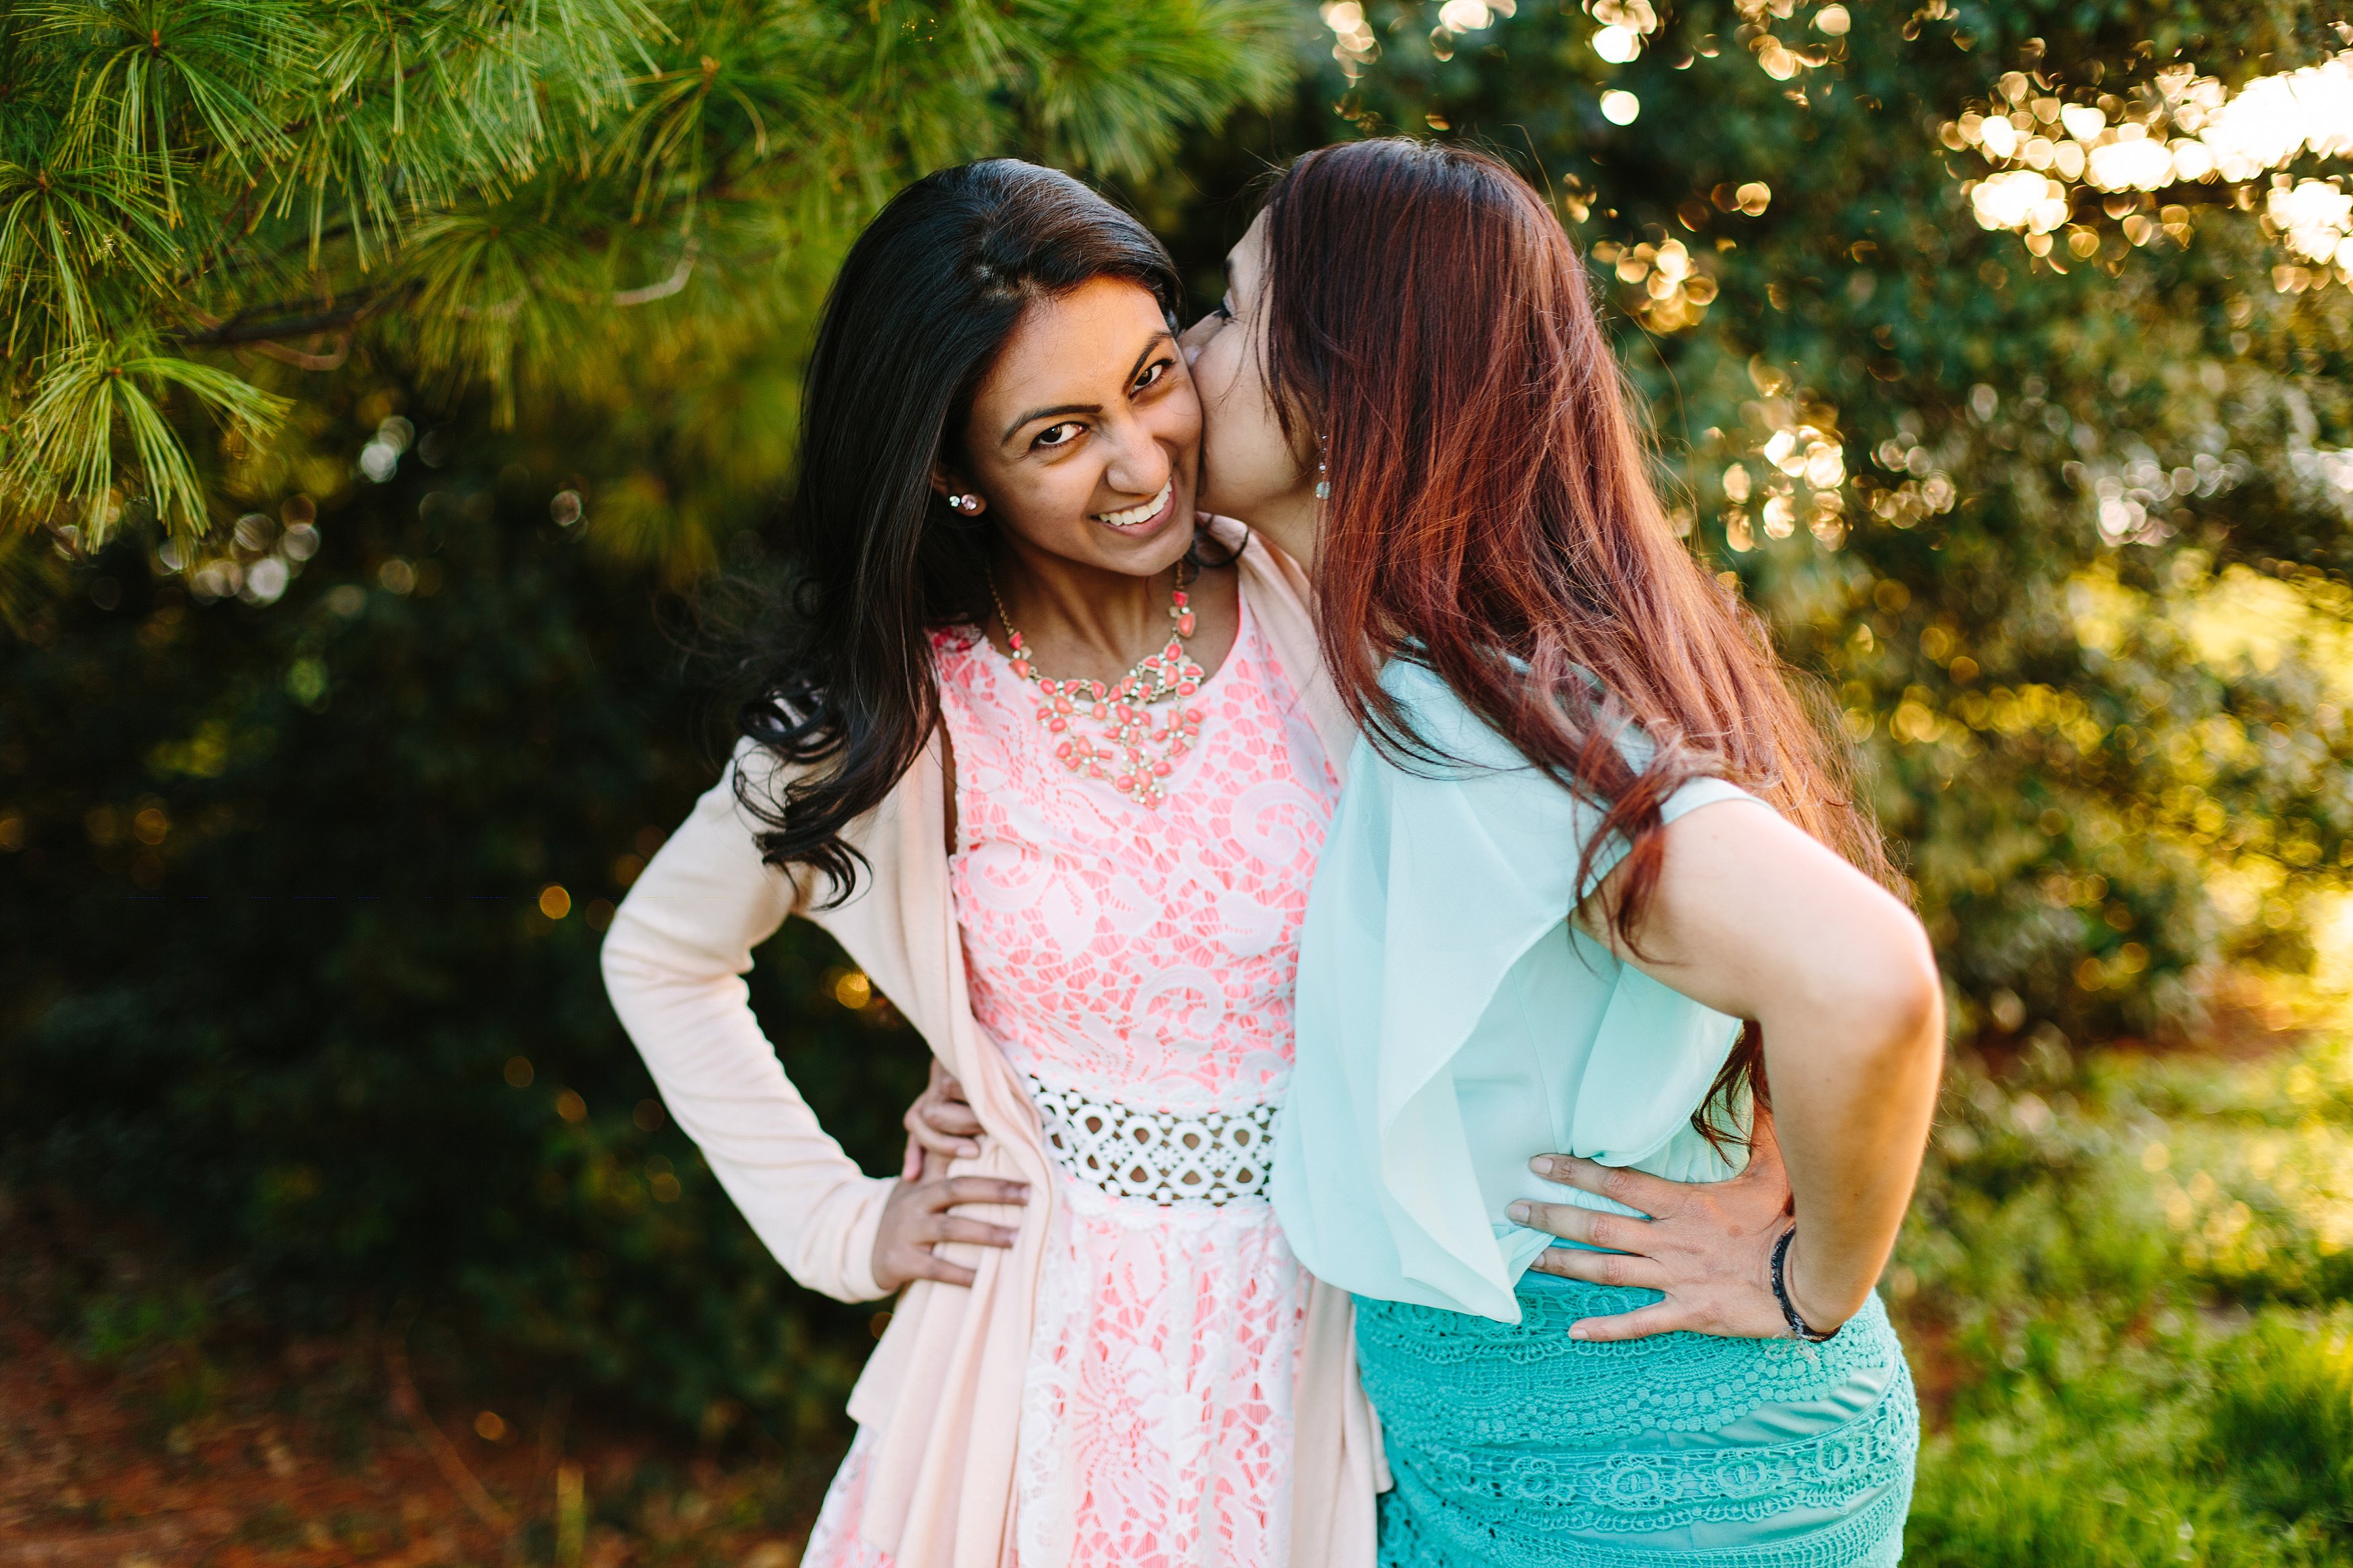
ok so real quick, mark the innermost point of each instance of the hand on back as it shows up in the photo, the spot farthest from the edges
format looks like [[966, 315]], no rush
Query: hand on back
[[941, 1127]]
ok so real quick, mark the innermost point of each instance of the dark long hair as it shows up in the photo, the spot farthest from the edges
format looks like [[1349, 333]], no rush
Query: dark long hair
[[1491, 514], [925, 302]]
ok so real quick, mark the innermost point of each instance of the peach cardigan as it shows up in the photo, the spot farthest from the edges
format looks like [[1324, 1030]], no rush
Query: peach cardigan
[[943, 1390]]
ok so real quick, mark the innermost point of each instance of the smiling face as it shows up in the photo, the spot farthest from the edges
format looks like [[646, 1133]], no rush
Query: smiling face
[[1084, 439], [1250, 469]]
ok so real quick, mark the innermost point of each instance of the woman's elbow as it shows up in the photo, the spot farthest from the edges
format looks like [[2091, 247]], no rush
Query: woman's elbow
[[1900, 995], [616, 961]]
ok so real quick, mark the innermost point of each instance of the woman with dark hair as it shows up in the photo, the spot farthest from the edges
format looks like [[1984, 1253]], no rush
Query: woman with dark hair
[[1589, 831], [1042, 752]]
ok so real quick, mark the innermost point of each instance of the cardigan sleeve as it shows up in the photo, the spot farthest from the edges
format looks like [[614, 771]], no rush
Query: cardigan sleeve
[[674, 963]]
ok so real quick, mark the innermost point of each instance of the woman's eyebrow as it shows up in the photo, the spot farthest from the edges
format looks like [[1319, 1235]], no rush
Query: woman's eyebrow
[[1060, 409], [1158, 339], [1054, 413]]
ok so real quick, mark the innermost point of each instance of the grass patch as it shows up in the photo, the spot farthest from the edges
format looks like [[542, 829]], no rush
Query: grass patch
[[2124, 1288]]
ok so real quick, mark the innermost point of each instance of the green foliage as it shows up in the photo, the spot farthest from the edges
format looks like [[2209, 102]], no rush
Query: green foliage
[[2283, 1419], [277, 969], [531, 201], [2055, 530], [2077, 1312]]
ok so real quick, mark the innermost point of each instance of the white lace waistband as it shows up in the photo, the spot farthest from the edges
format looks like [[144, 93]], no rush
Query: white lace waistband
[[1159, 1156]]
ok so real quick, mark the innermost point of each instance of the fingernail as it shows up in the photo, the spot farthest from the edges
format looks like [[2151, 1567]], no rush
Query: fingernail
[[969, 1151], [1518, 1211], [1541, 1165], [1577, 1331], [1021, 1190]]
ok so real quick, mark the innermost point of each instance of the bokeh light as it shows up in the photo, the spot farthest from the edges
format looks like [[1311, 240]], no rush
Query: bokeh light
[[1617, 45], [2182, 128]]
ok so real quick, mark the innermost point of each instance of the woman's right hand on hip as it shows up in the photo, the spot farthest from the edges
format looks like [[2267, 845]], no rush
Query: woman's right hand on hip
[[916, 1218]]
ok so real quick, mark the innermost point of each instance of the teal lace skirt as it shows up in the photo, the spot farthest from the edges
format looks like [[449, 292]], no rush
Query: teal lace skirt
[[1516, 1447]]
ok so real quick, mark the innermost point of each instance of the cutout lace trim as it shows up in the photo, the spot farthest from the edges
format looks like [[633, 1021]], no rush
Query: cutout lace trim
[[1158, 1156]]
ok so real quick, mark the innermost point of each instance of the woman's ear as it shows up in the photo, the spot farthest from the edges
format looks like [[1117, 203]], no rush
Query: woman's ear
[[960, 495]]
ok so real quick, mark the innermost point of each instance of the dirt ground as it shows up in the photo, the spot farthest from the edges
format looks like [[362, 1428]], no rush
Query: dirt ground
[[138, 1432]]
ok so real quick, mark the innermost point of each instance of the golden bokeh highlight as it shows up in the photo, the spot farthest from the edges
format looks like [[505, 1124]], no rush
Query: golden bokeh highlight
[[2059, 164]]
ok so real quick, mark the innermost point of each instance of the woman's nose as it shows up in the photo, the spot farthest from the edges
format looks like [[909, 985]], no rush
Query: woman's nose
[[1195, 338], [1139, 466]]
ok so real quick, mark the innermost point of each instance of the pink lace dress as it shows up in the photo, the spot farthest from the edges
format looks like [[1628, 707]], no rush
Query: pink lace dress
[[1135, 963]]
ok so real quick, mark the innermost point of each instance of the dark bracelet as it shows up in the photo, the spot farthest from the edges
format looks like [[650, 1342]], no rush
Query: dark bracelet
[[1799, 1327]]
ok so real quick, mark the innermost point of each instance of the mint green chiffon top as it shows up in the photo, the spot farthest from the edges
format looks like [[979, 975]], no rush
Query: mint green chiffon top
[[1452, 1023]]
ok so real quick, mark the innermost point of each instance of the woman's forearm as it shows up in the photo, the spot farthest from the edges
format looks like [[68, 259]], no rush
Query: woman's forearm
[[673, 965], [1757, 920], [1853, 1083]]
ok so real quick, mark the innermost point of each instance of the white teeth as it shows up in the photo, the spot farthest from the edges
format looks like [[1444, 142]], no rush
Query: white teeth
[[1137, 514]]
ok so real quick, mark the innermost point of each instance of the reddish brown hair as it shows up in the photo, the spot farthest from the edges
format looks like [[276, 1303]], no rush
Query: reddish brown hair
[[1491, 513]]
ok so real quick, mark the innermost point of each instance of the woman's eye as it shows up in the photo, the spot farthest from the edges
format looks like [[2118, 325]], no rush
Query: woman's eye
[[1152, 374], [1058, 435]]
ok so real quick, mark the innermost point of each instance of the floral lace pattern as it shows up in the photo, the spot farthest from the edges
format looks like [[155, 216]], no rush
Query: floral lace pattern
[[1157, 1412], [1137, 964], [1145, 957], [834, 1540], [1516, 1447]]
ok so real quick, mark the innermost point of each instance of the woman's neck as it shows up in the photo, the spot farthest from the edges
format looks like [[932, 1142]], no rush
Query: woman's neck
[[1288, 522], [1081, 620]]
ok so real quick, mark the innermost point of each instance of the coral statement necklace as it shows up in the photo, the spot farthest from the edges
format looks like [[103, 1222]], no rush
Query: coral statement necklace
[[1134, 757]]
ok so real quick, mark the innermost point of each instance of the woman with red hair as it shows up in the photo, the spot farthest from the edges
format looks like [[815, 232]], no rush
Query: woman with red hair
[[1595, 886]]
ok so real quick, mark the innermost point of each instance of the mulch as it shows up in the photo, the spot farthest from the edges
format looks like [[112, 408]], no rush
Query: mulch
[[233, 1448]]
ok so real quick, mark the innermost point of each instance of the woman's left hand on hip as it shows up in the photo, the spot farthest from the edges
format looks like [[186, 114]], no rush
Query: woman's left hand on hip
[[1707, 1247]]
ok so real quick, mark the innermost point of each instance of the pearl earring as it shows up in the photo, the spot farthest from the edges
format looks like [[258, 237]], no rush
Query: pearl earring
[[1323, 485]]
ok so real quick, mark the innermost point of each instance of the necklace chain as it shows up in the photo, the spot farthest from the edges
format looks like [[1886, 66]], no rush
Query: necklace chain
[[1134, 757]]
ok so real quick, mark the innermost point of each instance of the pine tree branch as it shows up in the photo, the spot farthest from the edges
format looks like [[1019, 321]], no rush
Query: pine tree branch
[[250, 326], [468, 183], [301, 361]]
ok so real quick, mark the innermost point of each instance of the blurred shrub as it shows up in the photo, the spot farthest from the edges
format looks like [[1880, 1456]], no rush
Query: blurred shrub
[[300, 905], [2109, 729]]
